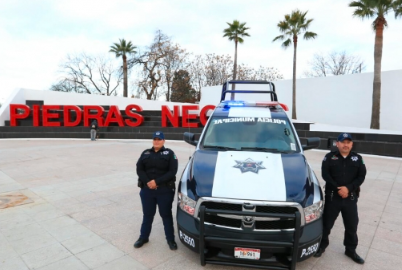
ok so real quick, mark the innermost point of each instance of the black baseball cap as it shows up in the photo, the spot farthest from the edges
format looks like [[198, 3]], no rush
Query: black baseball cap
[[344, 136], [159, 134]]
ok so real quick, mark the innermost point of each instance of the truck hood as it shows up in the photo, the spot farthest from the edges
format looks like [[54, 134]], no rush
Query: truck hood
[[250, 175]]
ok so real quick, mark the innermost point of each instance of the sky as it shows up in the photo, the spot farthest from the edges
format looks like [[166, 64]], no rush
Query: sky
[[36, 36]]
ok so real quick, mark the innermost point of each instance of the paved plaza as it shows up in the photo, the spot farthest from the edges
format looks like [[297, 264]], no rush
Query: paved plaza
[[83, 210]]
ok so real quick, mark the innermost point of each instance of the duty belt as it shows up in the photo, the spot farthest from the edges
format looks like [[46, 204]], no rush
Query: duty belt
[[171, 183], [352, 195]]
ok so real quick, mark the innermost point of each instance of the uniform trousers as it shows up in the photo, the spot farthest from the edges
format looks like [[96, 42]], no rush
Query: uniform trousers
[[348, 208], [163, 198], [93, 134]]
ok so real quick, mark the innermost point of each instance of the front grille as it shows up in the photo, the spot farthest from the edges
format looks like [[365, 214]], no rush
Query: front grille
[[275, 224], [282, 224], [275, 209], [223, 221], [223, 206]]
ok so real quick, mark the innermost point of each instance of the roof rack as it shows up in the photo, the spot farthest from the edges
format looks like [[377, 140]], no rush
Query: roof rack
[[225, 86]]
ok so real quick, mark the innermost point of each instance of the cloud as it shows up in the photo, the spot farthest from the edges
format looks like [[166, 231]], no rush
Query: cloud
[[37, 35]]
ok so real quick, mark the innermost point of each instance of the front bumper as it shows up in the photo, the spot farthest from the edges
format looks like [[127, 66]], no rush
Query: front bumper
[[276, 247]]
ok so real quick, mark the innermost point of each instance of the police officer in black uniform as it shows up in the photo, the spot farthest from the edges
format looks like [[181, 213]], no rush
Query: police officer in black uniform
[[156, 169], [343, 171]]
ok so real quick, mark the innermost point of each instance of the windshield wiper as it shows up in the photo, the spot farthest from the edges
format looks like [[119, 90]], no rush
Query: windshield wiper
[[274, 150], [220, 147]]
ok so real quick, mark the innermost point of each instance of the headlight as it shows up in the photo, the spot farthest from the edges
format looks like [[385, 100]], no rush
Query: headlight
[[186, 204], [314, 211]]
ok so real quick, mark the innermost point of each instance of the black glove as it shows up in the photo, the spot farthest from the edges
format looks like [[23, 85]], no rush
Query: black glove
[[140, 184]]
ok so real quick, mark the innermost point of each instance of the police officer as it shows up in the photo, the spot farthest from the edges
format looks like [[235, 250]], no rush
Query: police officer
[[94, 128], [156, 169], [343, 171]]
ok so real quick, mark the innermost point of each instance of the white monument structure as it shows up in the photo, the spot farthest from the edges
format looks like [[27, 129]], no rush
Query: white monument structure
[[337, 100]]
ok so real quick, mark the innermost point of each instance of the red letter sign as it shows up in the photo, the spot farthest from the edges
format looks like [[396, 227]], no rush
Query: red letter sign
[[98, 115], [174, 119], [203, 113], [68, 109], [114, 115], [36, 116], [138, 117], [14, 115], [46, 115], [186, 116]]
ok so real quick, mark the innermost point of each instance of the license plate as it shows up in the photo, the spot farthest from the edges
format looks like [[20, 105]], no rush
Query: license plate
[[247, 253]]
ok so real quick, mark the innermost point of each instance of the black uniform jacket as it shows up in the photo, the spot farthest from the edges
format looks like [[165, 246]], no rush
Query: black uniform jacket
[[160, 166], [338, 171], [94, 125]]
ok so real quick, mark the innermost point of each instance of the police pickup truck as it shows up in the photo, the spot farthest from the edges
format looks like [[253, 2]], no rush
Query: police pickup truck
[[248, 197]]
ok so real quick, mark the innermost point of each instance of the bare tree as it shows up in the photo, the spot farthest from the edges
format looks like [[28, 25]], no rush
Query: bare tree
[[150, 79], [218, 69], [196, 72], [88, 74], [212, 69], [262, 73], [244, 72], [158, 64], [209, 70], [151, 62], [334, 63], [66, 85], [176, 58], [267, 73]]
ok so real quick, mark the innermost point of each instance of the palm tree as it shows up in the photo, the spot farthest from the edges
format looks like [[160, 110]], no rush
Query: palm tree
[[377, 9], [236, 31], [123, 49], [294, 25]]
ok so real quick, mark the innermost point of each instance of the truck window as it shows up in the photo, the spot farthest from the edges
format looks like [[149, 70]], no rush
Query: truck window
[[249, 132]]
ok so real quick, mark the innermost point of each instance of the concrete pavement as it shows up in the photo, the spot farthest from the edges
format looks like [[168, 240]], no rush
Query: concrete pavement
[[86, 212]]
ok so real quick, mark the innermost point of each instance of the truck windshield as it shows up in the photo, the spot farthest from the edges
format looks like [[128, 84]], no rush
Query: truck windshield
[[249, 133]]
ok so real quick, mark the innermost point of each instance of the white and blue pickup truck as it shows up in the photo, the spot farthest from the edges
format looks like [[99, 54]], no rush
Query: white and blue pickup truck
[[248, 197]]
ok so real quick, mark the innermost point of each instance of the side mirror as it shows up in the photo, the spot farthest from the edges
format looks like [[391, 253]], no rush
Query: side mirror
[[188, 137], [311, 143]]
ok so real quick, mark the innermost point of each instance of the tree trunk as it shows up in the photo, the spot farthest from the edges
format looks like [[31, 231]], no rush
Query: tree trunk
[[168, 93], [375, 110], [168, 85], [234, 71], [294, 78], [235, 62], [125, 92]]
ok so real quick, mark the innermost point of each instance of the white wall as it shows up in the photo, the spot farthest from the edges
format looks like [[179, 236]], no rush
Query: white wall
[[337, 100]]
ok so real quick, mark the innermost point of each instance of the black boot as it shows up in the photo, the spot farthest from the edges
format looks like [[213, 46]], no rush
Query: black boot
[[353, 255], [172, 244], [319, 252], [140, 242]]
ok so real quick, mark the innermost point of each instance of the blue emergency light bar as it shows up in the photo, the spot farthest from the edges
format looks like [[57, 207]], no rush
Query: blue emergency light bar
[[234, 103]]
